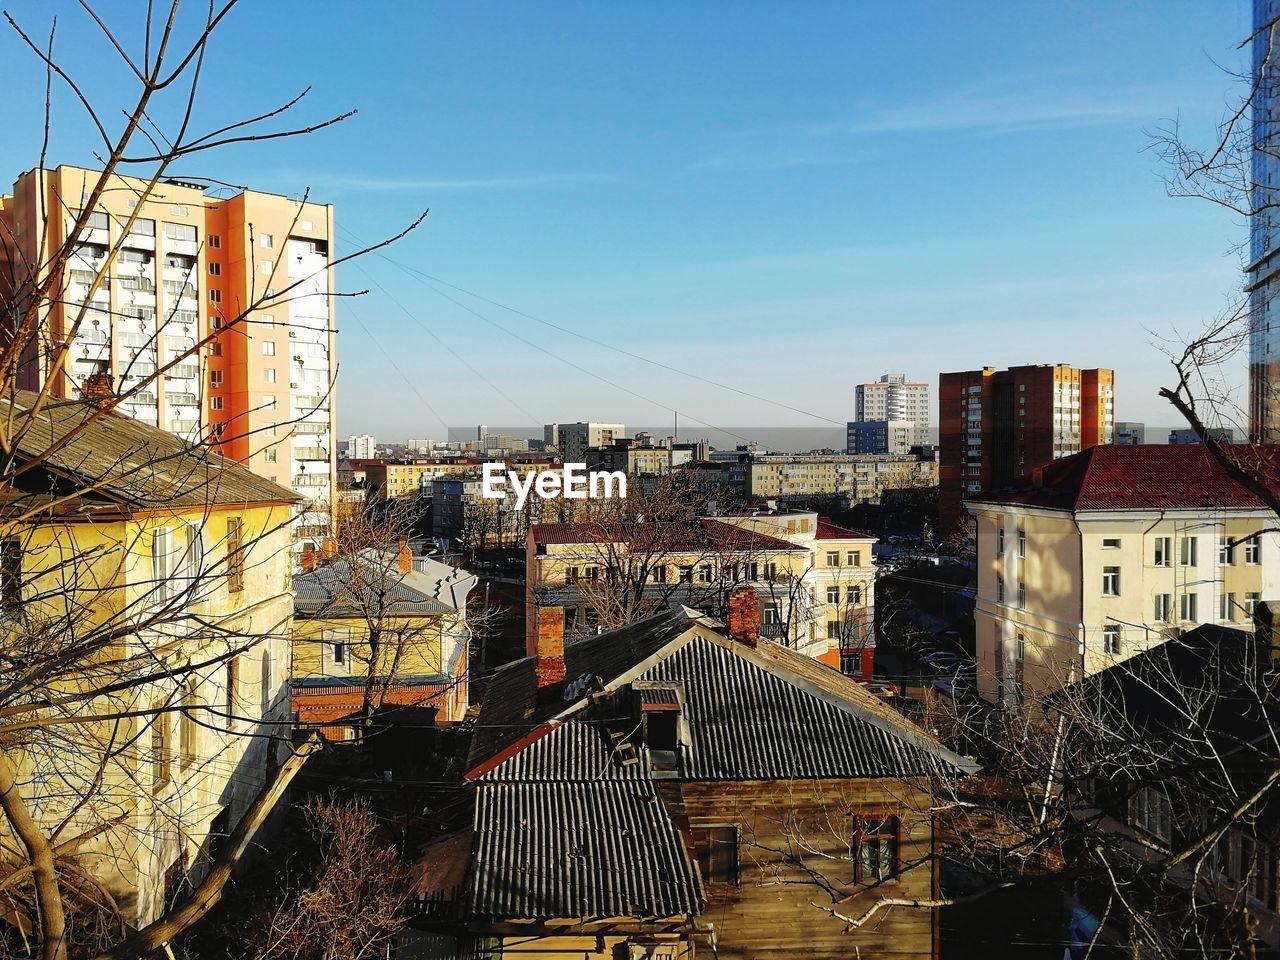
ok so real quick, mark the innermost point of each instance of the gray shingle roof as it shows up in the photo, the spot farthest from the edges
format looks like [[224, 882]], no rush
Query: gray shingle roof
[[585, 850], [372, 581], [133, 464]]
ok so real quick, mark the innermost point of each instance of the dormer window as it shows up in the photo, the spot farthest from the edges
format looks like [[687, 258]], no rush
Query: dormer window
[[662, 720]]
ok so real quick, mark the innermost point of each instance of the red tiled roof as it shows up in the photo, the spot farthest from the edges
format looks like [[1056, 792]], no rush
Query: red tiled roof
[[1108, 477], [671, 535], [829, 531]]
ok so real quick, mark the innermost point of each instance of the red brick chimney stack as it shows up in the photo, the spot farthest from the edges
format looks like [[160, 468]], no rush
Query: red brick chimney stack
[[743, 617], [405, 557], [549, 671], [308, 556]]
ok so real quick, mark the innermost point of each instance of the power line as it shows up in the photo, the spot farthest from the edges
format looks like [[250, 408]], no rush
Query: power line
[[412, 386]]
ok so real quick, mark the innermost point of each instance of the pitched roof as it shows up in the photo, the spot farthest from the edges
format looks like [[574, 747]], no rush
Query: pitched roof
[[372, 580], [583, 850], [829, 531], [669, 535], [1109, 477], [128, 462], [510, 708]]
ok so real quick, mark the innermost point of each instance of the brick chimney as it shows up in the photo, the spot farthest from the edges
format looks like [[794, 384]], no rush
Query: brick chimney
[[743, 615], [549, 671], [329, 548], [405, 557], [308, 556], [98, 389]]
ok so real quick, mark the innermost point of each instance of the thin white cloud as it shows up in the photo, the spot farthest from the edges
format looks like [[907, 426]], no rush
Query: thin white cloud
[[343, 181]]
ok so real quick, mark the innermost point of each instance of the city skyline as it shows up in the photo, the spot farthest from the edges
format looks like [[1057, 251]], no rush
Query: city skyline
[[753, 194]]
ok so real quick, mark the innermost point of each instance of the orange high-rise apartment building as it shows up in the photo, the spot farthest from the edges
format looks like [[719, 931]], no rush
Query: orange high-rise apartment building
[[190, 261], [996, 425]]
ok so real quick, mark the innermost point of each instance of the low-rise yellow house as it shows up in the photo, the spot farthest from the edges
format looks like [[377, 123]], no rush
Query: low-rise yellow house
[[146, 592], [375, 630], [1098, 556]]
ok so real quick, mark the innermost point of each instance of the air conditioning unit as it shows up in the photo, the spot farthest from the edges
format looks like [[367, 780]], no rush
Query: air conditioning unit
[[297, 359], [293, 333], [293, 386]]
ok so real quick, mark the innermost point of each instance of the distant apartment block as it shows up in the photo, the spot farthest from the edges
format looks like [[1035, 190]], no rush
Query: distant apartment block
[[1187, 435], [1263, 270], [1129, 433], [883, 436], [855, 478], [640, 455], [152, 276], [996, 425], [573, 439], [1105, 553], [902, 407], [393, 479], [363, 447]]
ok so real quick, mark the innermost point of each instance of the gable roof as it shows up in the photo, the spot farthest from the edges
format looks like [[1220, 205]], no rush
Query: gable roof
[[754, 713], [670, 535], [372, 580], [1110, 477], [127, 462], [830, 531]]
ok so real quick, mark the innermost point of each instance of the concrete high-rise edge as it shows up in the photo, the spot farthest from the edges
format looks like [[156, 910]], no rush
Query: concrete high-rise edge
[[997, 425], [1264, 235], [363, 447], [890, 399], [180, 264]]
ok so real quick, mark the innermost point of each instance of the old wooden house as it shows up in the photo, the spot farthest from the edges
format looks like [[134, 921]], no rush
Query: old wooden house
[[680, 786]]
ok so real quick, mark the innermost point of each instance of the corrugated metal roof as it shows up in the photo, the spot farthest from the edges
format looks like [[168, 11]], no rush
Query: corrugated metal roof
[[673, 536], [131, 463], [584, 850]]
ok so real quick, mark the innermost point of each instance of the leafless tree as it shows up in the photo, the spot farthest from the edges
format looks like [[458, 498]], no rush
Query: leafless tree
[[91, 676]]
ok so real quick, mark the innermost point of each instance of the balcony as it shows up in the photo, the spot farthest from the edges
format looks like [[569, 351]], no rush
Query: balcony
[[311, 453], [311, 428]]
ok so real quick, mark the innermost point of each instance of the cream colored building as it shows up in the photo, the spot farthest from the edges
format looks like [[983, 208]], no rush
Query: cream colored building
[[1103, 554], [158, 271], [859, 478], [183, 562]]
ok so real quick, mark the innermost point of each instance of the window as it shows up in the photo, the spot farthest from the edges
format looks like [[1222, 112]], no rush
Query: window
[[571, 574], [593, 573], [833, 594], [705, 573], [269, 455], [833, 629], [999, 589], [1022, 542], [1253, 551], [215, 378], [1226, 551], [1152, 813], [1111, 638], [1111, 581], [266, 670], [269, 375], [266, 240], [143, 228], [854, 558], [1000, 540], [10, 573], [305, 224], [1163, 549], [179, 210], [215, 296], [1022, 595], [230, 693], [162, 564], [268, 402], [717, 848], [875, 848], [180, 231], [769, 614], [215, 269], [1164, 608], [339, 649], [1020, 647], [235, 558], [855, 594], [659, 573], [1226, 607], [1187, 548], [1188, 608], [160, 770], [752, 571], [267, 267], [1251, 601], [770, 570], [215, 403], [833, 558], [1110, 543], [215, 241]]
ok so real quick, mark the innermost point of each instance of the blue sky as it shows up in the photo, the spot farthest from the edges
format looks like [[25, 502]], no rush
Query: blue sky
[[788, 198]]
